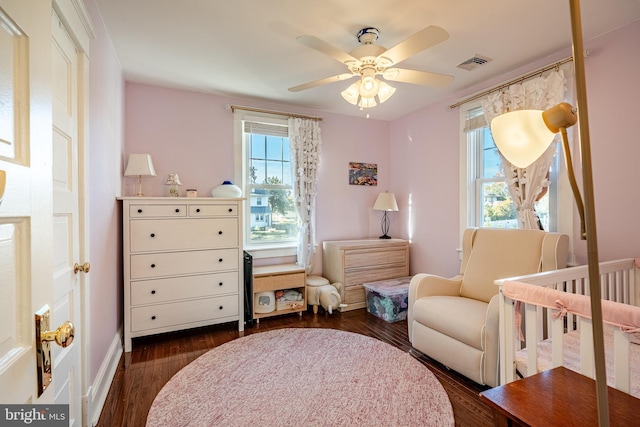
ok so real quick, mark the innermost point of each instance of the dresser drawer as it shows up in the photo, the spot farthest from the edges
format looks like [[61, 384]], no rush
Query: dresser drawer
[[177, 288], [177, 263], [149, 211], [182, 312], [373, 257], [274, 283], [212, 210], [182, 234], [354, 294], [358, 277]]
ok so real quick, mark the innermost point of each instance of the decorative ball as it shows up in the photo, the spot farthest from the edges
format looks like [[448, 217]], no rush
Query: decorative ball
[[227, 189]]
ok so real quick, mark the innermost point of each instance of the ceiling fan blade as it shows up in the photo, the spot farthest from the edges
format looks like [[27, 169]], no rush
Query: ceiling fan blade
[[430, 36], [324, 47], [324, 81], [417, 77]]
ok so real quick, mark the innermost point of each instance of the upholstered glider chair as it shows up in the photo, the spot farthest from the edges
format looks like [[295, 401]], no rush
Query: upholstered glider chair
[[455, 321]]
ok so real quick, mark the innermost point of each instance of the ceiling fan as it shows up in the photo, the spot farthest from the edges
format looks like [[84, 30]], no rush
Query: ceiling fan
[[370, 60]]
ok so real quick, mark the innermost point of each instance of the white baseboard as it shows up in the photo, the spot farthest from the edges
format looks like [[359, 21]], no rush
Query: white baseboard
[[97, 393]]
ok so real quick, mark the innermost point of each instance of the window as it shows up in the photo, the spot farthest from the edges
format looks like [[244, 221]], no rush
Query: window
[[486, 201], [271, 219]]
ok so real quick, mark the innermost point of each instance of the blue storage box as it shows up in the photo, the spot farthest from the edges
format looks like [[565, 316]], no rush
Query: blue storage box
[[387, 299]]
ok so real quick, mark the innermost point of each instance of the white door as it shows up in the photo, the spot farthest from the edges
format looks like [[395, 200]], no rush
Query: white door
[[35, 207], [67, 266]]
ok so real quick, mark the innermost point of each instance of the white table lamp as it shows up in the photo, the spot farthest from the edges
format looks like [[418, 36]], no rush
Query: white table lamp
[[140, 165]]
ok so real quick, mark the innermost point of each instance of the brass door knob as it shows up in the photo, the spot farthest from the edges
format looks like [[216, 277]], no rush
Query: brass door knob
[[84, 267], [63, 336]]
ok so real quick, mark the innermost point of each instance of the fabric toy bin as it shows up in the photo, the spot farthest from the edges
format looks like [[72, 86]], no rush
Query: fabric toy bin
[[387, 299]]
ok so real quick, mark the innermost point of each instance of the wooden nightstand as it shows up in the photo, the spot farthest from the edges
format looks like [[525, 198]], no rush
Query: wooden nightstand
[[558, 397]]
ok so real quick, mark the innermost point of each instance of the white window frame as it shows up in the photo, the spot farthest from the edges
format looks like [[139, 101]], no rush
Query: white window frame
[[561, 216], [267, 250]]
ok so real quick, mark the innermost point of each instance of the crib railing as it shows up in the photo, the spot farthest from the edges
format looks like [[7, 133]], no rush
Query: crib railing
[[620, 282]]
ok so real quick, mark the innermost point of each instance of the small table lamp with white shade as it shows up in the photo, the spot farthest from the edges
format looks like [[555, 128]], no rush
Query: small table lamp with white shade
[[385, 202], [140, 165]]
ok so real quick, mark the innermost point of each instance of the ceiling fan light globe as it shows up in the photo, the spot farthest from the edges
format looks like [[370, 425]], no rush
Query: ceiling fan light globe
[[367, 102], [385, 92], [369, 87], [521, 136], [351, 94]]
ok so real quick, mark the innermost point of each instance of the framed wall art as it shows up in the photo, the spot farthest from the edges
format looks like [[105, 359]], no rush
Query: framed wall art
[[363, 173]]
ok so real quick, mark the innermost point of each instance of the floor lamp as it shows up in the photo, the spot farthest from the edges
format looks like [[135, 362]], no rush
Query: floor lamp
[[511, 132]]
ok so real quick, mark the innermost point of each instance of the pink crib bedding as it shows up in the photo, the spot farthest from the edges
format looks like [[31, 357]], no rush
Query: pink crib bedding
[[572, 357]]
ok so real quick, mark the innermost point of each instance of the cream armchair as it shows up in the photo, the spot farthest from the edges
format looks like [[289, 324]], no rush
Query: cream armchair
[[455, 321]]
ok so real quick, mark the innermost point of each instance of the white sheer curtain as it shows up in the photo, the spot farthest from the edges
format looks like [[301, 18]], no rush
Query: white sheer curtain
[[305, 142], [526, 184]]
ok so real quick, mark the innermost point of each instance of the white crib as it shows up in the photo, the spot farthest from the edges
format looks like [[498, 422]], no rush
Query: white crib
[[548, 340]]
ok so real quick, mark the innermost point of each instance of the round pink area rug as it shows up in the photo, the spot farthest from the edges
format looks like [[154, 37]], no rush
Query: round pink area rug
[[310, 377]]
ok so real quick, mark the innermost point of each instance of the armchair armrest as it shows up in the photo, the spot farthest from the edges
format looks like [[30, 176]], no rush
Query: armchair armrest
[[423, 285]]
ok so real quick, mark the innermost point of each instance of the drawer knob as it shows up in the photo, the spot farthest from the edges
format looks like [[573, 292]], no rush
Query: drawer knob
[[230, 210], [220, 232], [198, 210], [153, 234], [139, 210], [177, 210], [153, 292], [153, 317], [220, 284], [220, 260], [220, 307], [153, 266]]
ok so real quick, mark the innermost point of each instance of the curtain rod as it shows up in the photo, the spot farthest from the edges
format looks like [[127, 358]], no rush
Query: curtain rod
[[510, 82], [232, 108]]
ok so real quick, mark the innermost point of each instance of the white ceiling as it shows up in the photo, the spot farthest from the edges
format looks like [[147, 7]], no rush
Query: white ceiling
[[248, 48]]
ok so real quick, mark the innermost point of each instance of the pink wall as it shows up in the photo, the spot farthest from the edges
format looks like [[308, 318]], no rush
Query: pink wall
[[613, 91], [106, 89], [424, 164], [191, 134]]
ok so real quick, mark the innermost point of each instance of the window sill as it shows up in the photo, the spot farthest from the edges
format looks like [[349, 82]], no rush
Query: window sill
[[272, 251]]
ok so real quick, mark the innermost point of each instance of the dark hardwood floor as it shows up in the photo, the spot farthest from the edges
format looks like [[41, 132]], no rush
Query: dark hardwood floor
[[155, 359]]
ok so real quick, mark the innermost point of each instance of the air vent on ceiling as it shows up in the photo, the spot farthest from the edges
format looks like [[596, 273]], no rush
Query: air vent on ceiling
[[474, 62]]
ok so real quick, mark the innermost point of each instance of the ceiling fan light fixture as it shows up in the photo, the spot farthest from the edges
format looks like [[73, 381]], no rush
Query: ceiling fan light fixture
[[385, 92], [369, 87], [367, 102], [351, 94]]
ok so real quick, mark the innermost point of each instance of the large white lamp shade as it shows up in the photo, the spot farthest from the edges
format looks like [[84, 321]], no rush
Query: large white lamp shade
[[522, 136]]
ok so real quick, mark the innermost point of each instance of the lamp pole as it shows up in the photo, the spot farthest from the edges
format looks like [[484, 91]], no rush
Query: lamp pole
[[590, 219]]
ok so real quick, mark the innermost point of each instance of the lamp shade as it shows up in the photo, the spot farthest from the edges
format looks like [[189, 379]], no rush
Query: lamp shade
[[385, 202], [140, 165], [521, 136], [385, 92], [351, 94]]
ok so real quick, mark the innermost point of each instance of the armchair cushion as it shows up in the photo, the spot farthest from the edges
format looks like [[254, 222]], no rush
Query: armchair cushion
[[507, 253]]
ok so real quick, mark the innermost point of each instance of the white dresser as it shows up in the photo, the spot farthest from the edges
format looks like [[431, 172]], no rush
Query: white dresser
[[182, 264]]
